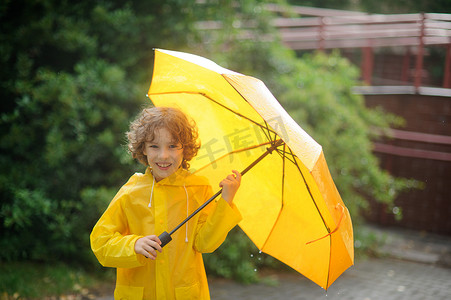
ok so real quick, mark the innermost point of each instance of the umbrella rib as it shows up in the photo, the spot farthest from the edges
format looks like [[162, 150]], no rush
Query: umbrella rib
[[310, 192], [330, 260], [216, 102], [311, 196], [266, 131], [291, 157], [233, 152], [283, 174], [237, 113], [283, 152], [282, 197]]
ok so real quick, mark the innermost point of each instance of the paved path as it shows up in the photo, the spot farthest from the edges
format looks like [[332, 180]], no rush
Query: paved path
[[417, 265], [371, 279]]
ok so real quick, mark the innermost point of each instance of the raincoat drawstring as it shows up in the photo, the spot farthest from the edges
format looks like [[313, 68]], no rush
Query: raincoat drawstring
[[186, 224], [151, 193]]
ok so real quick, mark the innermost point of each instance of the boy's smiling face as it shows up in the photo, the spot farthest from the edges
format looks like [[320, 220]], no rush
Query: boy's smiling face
[[164, 154]]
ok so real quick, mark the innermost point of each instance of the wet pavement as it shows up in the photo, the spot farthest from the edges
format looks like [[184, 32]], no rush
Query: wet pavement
[[370, 279], [414, 265]]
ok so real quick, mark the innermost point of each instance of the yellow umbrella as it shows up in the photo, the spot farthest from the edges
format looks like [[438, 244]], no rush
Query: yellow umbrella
[[290, 206]]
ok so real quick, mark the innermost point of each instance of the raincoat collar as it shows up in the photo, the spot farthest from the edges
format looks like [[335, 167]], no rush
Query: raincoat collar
[[181, 177]]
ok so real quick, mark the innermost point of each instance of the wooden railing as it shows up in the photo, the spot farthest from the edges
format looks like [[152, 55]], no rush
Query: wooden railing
[[356, 30], [321, 29], [309, 28]]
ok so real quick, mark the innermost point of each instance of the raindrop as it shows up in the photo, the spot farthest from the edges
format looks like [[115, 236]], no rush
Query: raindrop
[[260, 251], [259, 258], [252, 255], [255, 270], [357, 244], [391, 191], [257, 9], [395, 210], [236, 24], [147, 95]]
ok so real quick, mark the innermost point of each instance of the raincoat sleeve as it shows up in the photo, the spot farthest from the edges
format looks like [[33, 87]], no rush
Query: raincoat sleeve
[[110, 241], [214, 225]]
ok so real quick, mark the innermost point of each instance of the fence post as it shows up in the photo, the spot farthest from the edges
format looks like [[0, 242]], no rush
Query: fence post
[[367, 64], [321, 34], [446, 77], [420, 54]]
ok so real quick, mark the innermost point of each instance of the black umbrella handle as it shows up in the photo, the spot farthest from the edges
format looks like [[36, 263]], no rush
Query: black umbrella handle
[[165, 237]]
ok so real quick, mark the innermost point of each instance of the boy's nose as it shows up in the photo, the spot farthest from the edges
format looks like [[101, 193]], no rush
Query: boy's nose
[[164, 153]]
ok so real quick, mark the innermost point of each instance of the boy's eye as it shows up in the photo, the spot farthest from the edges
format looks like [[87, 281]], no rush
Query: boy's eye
[[175, 146], [153, 146]]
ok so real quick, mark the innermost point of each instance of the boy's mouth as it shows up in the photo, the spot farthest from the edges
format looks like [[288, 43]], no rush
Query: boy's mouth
[[163, 165]]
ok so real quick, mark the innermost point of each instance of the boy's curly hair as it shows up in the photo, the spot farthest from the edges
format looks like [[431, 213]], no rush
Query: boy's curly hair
[[182, 129]]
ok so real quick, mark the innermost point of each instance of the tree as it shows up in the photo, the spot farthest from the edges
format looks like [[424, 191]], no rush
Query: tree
[[74, 74]]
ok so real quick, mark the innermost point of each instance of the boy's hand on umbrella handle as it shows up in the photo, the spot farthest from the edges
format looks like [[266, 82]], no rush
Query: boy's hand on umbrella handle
[[148, 246], [230, 186]]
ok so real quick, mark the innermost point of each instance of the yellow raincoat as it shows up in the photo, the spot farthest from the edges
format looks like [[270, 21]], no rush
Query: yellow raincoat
[[178, 272]]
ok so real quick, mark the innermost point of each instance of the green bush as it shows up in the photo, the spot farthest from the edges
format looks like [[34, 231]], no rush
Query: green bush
[[72, 77], [239, 259]]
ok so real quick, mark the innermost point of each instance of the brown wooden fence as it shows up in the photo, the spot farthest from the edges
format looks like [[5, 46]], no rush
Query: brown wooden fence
[[422, 149], [336, 29]]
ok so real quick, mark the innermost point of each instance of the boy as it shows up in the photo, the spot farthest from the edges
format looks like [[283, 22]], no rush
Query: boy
[[126, 236]]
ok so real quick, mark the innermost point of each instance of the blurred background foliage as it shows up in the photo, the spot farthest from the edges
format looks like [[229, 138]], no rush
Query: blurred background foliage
[[74, 74]]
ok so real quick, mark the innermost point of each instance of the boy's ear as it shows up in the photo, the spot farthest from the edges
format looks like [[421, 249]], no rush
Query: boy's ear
[[144, 158]]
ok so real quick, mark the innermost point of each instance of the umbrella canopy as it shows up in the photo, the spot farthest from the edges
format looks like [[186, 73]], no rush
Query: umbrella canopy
[[290, 206]]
